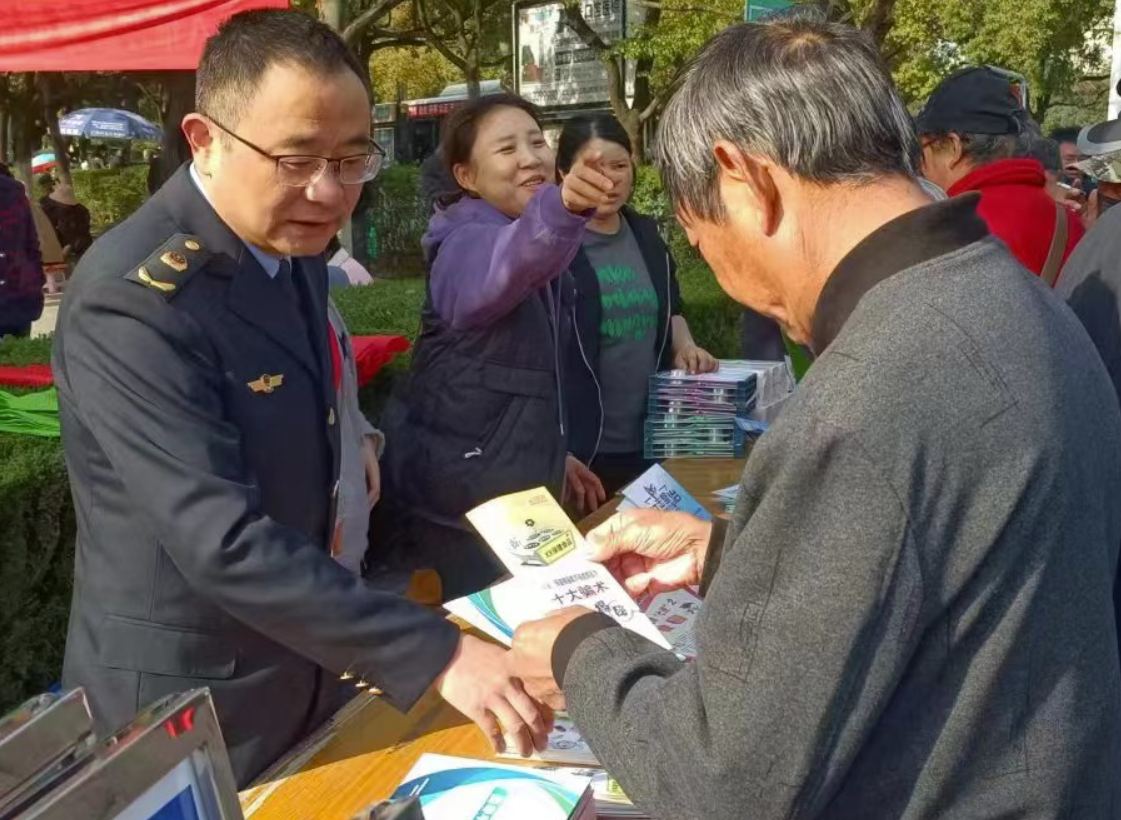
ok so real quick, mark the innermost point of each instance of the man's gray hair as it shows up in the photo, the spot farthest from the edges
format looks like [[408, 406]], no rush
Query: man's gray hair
[[982, 149], [813, 97]]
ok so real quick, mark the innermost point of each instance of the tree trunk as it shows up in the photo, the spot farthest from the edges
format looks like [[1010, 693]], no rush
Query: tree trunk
[[472, 74], [631, 120], [178, 101], [23, 129], [4, 135], [332, 13], [58, 144]]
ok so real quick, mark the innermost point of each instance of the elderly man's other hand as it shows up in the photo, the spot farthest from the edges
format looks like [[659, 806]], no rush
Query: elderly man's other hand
[[651, 551], [531, 656]]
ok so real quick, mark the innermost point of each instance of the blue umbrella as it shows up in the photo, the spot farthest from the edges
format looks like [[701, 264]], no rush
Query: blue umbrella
[[108, 123]]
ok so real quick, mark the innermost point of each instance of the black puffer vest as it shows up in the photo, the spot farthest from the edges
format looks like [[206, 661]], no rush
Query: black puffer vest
[[482, 413]]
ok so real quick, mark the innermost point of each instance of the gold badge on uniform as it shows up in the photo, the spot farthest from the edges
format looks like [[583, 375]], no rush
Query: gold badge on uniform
[[267, 383], [147, 279], [192, 245], [174, 260]]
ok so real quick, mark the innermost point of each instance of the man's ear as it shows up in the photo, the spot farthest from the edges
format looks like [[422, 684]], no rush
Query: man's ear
[[955, 149], [748, 179], [202, 138]]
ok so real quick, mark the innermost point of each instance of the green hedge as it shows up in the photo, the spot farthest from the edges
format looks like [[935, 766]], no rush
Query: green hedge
[[111, 194], [37, 523]]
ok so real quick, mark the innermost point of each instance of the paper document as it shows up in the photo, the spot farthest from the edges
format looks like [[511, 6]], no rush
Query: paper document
[[544, 551], [658, 490]]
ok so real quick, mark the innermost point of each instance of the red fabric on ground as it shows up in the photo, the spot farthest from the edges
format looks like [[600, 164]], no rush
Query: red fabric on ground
[[372, 353], [32, 375]]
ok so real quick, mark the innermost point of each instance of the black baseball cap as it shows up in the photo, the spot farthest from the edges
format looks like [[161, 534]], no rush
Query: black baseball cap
[[973, 100]]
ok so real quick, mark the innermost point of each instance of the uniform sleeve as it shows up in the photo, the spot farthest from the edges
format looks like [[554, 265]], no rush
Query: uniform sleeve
[[483, 271], [144, 382], [807, 628]]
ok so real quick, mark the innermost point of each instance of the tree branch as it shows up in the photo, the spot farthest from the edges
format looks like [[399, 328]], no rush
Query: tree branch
[[396, 42], [574, 19], [660, 98], [435, 41], [353, 32], [879, 20]]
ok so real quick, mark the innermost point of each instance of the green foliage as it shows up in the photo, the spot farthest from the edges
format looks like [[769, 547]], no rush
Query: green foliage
[[111, 194], [1051, 42], [36, 550], [674, 36]]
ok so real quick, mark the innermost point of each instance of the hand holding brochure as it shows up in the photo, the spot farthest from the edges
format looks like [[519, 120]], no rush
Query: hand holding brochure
[[543, 550]]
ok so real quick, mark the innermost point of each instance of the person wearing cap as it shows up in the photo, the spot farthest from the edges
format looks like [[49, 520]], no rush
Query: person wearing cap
[[1091, 282], [1100, 148], [976, 136], [70, 218]]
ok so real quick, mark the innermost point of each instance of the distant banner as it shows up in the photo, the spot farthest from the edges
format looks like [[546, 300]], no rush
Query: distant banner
[[554, 66], [112, 35]]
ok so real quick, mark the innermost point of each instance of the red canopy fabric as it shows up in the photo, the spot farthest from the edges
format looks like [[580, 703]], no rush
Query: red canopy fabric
[[112, 35]]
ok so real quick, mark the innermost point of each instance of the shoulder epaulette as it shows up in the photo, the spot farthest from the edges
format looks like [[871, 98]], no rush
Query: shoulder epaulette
[[171, 265]]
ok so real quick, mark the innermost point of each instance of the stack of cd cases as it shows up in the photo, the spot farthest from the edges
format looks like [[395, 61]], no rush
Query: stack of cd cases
[[702, 415]]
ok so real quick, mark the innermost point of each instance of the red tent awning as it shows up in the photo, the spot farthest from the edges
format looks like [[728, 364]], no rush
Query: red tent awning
[[112, 35]]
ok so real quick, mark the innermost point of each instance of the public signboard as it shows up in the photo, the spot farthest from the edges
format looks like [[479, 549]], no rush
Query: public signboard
[[553, 66], [756, 10]]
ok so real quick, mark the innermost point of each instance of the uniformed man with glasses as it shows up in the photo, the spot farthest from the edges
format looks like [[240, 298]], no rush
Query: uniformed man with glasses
[[197, 394]]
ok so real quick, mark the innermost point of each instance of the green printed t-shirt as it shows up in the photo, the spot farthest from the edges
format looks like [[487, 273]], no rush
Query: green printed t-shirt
[[627, 331]]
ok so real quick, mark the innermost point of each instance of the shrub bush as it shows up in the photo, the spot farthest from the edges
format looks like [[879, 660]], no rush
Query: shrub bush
[[111, 194]]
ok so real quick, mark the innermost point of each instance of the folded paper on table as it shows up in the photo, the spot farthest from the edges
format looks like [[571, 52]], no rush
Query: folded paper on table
[[658, 490]]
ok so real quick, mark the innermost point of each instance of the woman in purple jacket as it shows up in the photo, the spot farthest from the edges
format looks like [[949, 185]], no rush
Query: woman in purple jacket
[[482, 413]]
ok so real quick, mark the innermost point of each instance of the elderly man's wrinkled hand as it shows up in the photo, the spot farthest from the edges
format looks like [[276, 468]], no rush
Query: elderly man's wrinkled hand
[[651, 551]]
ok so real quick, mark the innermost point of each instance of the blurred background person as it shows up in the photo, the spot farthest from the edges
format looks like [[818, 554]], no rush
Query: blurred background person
[[1046, 152], [69, 218], [628, 322], [21, 262], [976, 137]]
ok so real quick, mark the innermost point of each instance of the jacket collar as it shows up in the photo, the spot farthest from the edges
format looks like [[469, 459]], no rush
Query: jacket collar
[[252, 294], [1001, 173], [908, 240]]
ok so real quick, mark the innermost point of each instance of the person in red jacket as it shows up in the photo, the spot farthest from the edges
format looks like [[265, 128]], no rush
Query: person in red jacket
[[976, 136]]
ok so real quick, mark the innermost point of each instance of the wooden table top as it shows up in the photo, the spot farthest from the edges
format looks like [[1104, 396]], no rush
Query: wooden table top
[[362, 754]]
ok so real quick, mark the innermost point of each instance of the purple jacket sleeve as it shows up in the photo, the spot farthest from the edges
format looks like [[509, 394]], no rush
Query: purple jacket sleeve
[[484, 270]]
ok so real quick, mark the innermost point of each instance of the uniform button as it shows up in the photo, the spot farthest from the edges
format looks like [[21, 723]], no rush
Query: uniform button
[[331, 417]]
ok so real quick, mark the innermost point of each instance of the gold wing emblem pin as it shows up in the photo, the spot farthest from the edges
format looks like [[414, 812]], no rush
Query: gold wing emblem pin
[[147, 279], [267, 383]]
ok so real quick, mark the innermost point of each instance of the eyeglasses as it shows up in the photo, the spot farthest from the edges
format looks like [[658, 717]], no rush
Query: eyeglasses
[[298, 171]]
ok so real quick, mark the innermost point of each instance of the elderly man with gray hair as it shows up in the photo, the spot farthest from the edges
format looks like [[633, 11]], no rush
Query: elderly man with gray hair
[[909, 614]]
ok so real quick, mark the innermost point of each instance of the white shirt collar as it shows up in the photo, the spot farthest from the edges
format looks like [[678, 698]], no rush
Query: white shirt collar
[[270, 263]]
